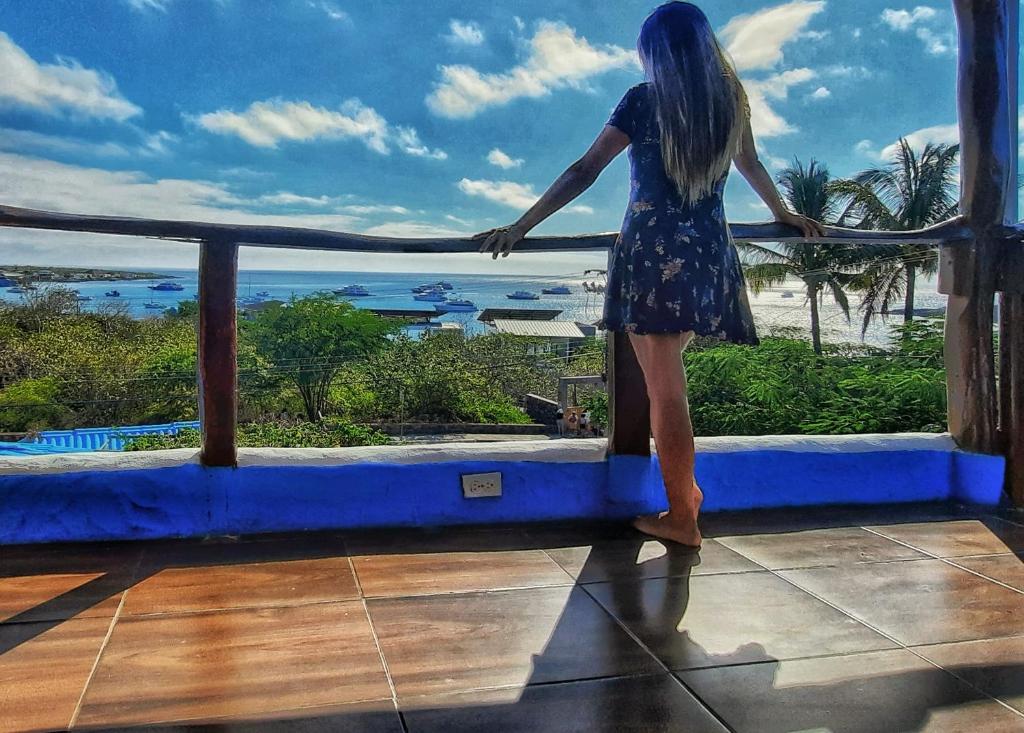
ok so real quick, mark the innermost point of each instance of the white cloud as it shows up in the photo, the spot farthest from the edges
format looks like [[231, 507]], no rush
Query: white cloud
[[160, 5], [409, 141], [331, 10], [756, 40], [520, 25], [845, 71], [927, 25], [149, 4], [938, 134], [511, 194], [556, 58], [865, 147], [457, 220], [267, 123], [935, 43], [464, 33], [414, 229], [507, 193], [820, 93], [285, 198], [369, 209], [22, 141], [765, 121], [289, 199], [903, 20], [45, 184], [502, 159], [65, 86]]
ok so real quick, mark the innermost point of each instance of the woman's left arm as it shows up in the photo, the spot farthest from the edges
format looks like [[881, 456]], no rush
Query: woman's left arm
[[750, 167], [576, 179]]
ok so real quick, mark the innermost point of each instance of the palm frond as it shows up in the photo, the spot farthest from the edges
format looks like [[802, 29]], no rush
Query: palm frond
[[765, 275]]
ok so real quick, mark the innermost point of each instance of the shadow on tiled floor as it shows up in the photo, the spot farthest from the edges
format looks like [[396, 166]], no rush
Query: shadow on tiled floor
[[842, 620]]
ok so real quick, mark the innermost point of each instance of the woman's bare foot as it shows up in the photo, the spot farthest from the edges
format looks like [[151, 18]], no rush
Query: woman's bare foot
[[666, 527]]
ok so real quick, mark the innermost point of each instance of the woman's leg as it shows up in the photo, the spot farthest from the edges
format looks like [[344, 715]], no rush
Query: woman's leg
[[660, 358]]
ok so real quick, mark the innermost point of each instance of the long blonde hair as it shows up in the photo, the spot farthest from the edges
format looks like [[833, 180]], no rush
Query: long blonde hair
[[700, 103]]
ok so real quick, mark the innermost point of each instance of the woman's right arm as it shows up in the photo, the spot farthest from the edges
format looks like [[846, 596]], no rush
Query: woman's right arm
[[749, 164]]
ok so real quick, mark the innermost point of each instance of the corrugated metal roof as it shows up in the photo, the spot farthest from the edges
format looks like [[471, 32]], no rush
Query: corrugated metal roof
[[519, 314], [541, 329], [92, 439]]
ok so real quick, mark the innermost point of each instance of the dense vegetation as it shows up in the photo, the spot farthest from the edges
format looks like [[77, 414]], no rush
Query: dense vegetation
[[63, 368]]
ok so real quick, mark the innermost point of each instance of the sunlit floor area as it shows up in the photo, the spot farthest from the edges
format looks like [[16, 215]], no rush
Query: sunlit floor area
[[844, 620]]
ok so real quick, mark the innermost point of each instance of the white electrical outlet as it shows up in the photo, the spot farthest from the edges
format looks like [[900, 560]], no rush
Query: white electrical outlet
[[480, 485]]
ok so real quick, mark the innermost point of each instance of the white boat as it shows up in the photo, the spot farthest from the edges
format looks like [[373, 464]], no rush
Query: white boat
[[456, 304], [153, 305], [787, 294], [353, 291], [169, 286], [431, 296], [522, 295], [557, 290]]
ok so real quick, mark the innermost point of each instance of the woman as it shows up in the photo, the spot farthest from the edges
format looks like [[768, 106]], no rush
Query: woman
[[674, 270]]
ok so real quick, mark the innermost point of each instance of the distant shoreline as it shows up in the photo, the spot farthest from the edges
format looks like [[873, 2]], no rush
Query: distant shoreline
[[23, 273]]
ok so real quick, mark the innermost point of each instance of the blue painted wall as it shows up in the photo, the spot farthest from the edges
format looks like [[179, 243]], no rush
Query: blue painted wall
[[189, 500]]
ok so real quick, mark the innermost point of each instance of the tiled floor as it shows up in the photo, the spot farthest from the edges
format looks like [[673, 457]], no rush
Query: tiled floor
[[840, 620]]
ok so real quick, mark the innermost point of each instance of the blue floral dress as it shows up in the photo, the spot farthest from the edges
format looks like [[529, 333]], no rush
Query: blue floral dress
[[674, 267]]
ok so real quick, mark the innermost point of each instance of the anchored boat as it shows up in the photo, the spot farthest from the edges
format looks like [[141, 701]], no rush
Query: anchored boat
[[456, 304], [522, 295]]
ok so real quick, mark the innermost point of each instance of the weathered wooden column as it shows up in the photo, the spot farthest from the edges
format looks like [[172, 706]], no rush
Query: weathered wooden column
[[969, 273], [1011, 378], [1011, 287], [629, 410], [218, 352]]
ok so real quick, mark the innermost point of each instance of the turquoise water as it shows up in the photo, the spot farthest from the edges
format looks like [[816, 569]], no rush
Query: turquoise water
[[772, 310]]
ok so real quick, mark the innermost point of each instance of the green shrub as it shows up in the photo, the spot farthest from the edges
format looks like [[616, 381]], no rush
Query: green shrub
[[329, 433], [30, 405]]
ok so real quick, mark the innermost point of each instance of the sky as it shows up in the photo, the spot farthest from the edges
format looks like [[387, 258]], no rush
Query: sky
[[410, 118]]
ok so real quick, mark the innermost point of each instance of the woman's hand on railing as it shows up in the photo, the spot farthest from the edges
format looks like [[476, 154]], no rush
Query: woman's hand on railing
[[500, 240], [809, 227]]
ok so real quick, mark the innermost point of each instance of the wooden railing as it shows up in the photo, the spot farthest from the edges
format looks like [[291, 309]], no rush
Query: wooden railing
[[981, 254]]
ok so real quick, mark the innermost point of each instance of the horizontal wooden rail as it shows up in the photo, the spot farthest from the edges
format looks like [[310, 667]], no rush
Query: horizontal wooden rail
[[950, 232]]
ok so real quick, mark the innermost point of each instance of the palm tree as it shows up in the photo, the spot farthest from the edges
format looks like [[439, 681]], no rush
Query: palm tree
[[912, 191], [809, 191]]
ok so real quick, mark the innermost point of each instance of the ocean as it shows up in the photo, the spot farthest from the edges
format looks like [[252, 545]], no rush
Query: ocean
[[784, 307]]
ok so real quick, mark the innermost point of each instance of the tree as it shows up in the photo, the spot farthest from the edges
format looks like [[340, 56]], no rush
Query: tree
[[309, 339], [911, 191], [810, 192]]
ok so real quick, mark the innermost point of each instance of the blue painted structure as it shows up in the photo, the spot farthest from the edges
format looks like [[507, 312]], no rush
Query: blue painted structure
[[173, 496], [32, 449], [114, 439]]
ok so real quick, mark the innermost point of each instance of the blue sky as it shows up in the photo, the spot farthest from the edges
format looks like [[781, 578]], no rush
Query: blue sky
[[410, 118]]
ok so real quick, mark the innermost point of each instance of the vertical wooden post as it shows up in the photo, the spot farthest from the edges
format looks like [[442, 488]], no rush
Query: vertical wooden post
[[970, 274], [1011, 414], [629, 410], [1011, 299], [218, 357]]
